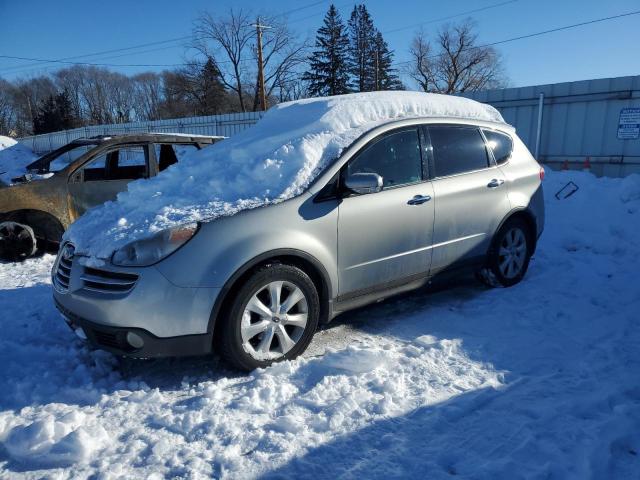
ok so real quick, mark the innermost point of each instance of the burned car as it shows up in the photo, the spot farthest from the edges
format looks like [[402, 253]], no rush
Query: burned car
[[38, 206]]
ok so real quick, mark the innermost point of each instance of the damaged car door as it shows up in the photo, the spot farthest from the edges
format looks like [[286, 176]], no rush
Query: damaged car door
[[103, 177]]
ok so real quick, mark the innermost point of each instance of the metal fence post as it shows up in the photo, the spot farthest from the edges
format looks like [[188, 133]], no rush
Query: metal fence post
[[539, 129]]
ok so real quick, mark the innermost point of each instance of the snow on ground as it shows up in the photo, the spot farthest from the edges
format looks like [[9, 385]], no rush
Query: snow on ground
[[272, 161], [14, 158], [537, 381]]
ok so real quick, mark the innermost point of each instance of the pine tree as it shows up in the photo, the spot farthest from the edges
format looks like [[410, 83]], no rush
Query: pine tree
[[212, 92], [328, 70], [54, 114], [362, 35], [386, 77]]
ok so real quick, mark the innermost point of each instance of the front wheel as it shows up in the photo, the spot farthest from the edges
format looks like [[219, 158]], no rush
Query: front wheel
[[510, 254], [272, 318], [17, 242]]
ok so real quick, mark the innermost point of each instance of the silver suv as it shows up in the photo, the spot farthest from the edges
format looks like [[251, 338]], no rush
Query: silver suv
[[408, 200]]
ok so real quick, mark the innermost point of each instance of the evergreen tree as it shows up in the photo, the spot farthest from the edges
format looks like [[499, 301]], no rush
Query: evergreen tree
[[386, 77], [328, 70], [213, 95], [54, 114], [362, 35]]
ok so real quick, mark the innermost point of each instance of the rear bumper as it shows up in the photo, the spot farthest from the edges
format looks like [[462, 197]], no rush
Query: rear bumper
[[114, 339]]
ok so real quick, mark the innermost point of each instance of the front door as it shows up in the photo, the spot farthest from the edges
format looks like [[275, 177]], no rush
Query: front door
[[385, 237], [103, 177]]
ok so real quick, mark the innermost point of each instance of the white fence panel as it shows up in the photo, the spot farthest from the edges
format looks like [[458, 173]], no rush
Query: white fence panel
[[226, 125]]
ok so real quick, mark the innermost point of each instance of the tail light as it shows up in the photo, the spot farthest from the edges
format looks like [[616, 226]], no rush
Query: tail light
[[541, 173]]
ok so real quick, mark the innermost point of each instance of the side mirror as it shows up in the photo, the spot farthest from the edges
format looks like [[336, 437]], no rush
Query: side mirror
[[364, 182]]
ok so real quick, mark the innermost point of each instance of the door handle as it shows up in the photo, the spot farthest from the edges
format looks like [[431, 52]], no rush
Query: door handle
[[419, 199], [495, 183]]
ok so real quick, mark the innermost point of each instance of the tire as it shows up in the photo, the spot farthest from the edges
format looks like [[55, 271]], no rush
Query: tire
[[17, 242], [252, 336], [508, 259]]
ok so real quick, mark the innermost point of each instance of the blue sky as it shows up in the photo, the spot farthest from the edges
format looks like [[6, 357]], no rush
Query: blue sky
[[47, 29]]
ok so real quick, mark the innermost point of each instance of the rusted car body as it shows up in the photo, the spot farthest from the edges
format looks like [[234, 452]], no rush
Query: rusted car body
[[37, 208]]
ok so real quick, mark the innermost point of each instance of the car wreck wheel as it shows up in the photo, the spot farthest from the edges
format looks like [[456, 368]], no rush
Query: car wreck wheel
[[273, 318], [17, 241]]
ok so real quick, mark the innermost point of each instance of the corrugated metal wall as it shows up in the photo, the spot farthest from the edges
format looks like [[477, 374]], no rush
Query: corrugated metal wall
[[579, 120], [225, 125]]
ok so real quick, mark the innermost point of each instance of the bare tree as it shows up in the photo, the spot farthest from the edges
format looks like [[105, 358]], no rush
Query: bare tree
[[147, 96], [457, 63], [232, 37], [7, 108]]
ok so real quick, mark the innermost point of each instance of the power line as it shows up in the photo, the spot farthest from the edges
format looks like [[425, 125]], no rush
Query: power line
[[499, 42], [134, 47], [537, 34], [442, 19]]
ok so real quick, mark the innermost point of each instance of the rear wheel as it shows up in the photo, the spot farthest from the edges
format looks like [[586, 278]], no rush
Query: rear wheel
[[272, 318], [17, 242], [510, 254]]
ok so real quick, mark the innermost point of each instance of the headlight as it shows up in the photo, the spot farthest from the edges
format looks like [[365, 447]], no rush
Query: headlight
[[148, 251]]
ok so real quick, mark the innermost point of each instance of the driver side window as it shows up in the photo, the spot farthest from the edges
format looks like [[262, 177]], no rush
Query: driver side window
[[395, 157]]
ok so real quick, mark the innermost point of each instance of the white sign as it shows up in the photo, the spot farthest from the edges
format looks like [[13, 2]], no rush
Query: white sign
[[629, 124]]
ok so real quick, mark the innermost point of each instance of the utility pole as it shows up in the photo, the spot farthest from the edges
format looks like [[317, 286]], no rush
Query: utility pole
[[261, 89]]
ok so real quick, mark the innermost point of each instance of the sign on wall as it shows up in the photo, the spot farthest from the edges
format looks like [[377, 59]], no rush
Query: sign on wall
[[629, 124]]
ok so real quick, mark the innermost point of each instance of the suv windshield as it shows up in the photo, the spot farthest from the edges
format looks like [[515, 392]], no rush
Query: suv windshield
[[60, 158]]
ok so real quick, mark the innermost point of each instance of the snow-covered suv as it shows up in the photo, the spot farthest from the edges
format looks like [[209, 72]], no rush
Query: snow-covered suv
[[325, 205]]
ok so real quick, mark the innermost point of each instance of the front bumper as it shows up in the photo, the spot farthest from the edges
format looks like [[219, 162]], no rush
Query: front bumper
[[170, 320], [114, 339]]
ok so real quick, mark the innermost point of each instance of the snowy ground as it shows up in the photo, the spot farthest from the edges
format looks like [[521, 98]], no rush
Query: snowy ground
[[538, 381]]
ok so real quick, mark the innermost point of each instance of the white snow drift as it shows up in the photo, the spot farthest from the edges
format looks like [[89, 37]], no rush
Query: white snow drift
[[270, 162], [14, 158], [535, 381]]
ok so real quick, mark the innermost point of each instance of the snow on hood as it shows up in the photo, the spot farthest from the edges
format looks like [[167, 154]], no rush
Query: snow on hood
[[14, 158], [270, 162]]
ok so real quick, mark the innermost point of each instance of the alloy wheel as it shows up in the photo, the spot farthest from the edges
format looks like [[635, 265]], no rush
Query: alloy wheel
[[513, 253], [274, 320]]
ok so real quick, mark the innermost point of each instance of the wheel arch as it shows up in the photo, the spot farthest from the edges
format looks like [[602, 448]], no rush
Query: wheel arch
[[528, 217], [298, 258], [43, 223]]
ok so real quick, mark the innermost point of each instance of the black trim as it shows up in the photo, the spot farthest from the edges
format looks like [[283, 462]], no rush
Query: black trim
[[113, 339], [281, 252]]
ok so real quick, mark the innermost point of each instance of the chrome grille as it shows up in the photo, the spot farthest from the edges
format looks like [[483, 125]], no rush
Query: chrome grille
[[62, 275], [107, 282]]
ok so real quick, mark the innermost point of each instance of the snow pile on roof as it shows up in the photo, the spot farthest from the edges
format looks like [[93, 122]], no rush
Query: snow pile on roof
[[14, 158], [270, 162]]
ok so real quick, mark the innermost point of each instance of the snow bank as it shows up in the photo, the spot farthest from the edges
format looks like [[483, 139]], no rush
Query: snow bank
[[270, 162], [535, 381], [14, 158]]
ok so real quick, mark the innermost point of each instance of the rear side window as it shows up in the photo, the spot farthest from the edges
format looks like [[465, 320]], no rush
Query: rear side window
[[168, 154], [500, 144], [457, 150], [395, 157]]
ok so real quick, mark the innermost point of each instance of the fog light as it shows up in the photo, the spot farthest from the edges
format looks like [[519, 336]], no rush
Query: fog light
[[134, 340], [80, 333]]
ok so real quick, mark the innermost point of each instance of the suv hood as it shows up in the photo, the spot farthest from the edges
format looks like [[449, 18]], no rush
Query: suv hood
[[272, 161]]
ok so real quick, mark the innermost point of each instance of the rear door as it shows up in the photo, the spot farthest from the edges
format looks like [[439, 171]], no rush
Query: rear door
[[385, 237], [106, 175], [470, 196]]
